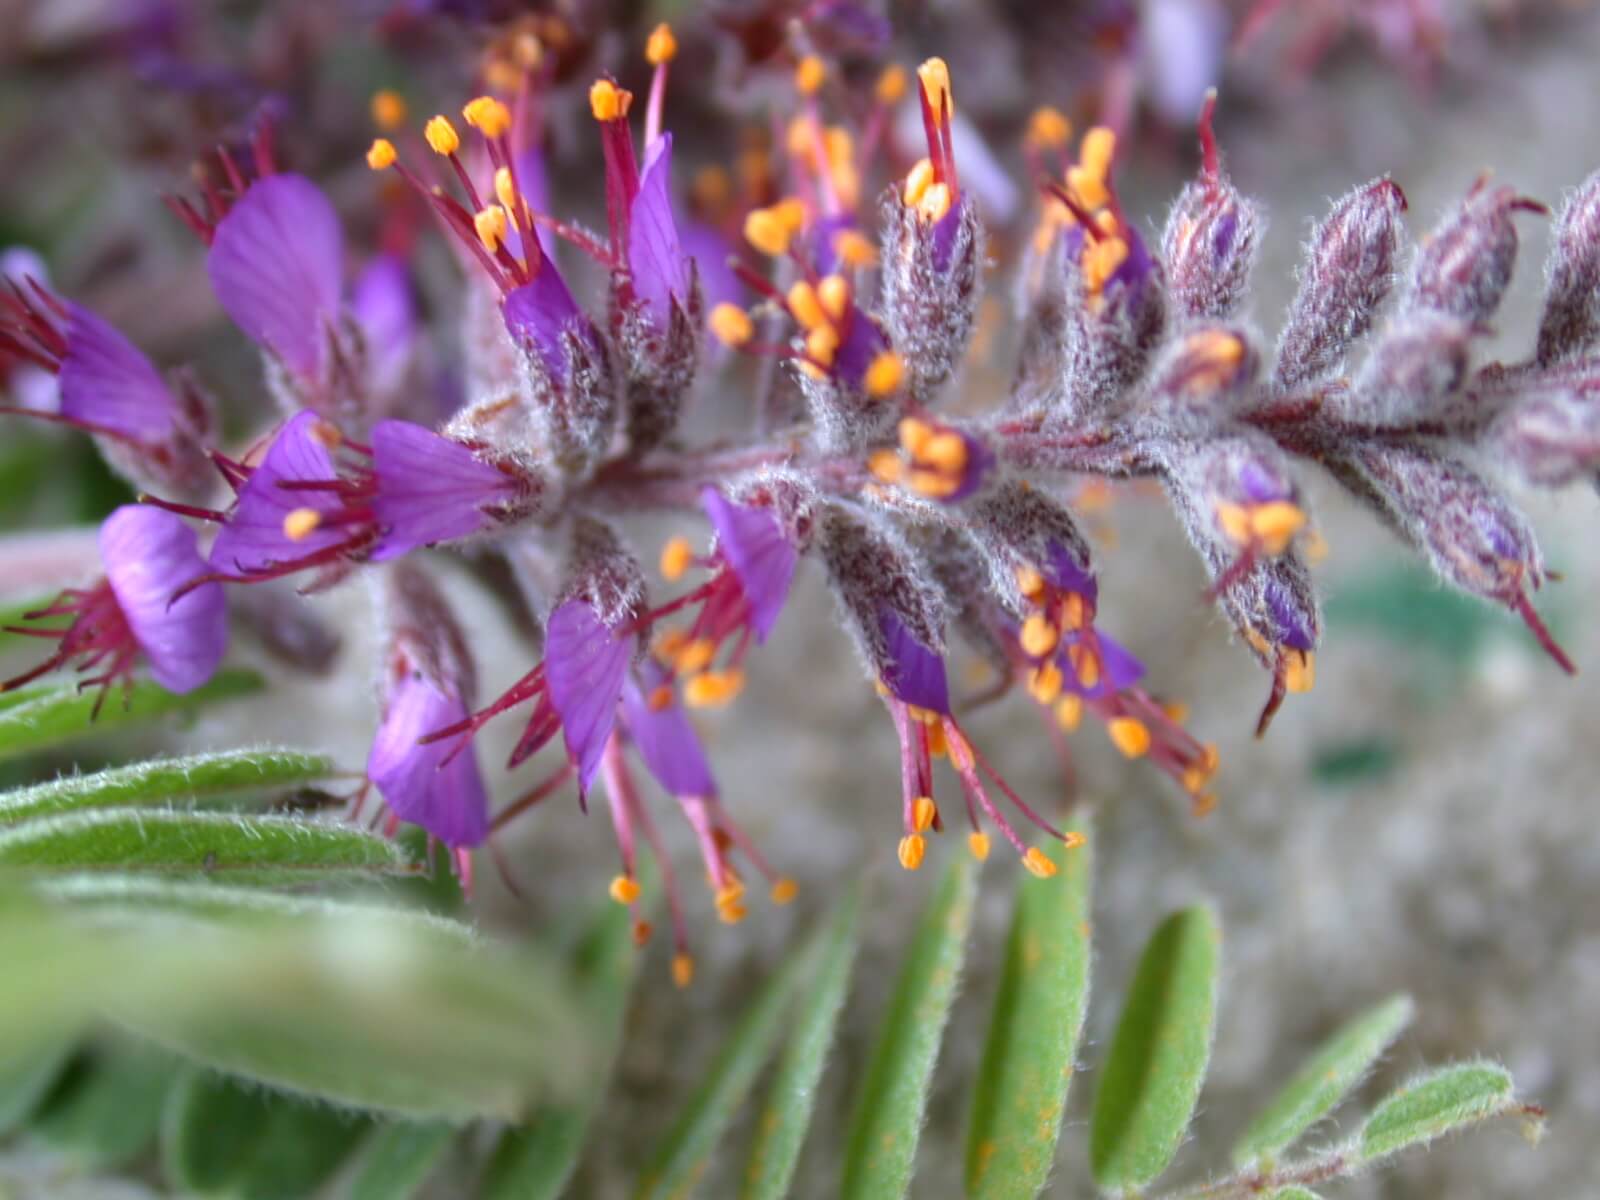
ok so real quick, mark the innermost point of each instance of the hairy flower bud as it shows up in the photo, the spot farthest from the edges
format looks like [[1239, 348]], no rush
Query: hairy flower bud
[[930, 286], [1202, 378], [1472, 535], [1550, 438], [1348, 273], [1463, 267], [1417, 368], [1211, 239], [1571, 320], [603, 573], [1021, 530]]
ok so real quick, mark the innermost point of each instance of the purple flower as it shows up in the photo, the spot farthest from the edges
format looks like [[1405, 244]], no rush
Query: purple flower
[[655, 255], [275, 265], [1063, 570], [108, 384], [1113, 669], [914, 673], [430, 785], [252, 538], [386, 310], [430, 489], [1293, 629], [710, 252], [541, 313], [585, 662], [148, 555], [752, 542], [667, 741]]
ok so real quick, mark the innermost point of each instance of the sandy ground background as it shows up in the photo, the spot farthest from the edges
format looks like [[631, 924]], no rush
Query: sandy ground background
[[1421, 822]]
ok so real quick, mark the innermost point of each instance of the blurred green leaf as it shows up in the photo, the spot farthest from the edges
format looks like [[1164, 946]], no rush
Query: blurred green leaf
[[240, 849], [301, 1146], [108, 1106], [1039, 1008], [882, 1143], [537, 1160], [36, 718], [211, 1126], [25, 1079], [1158, 1056], [781, 1128], [1325, 1079], [1433, 1104], [398, 1161], [683, 1156], [1360, 760], [1294, 1192], [168, 780], [360, 1005]]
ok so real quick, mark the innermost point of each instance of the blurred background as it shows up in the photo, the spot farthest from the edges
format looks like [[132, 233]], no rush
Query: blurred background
[[1421, 822]]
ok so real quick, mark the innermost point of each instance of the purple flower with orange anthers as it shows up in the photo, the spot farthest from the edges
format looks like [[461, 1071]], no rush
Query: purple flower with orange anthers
[[152, 431], [130, 615]]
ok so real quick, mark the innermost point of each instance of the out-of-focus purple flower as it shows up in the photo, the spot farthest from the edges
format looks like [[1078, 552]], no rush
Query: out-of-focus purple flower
[[753, 544], [938, 461], [276, 267], [655, 255], [385, 309], [148, 556], [710, 252], [107, 383], [666, 740], [542, 314]]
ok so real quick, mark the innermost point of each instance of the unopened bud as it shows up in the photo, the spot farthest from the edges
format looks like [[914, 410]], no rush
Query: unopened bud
[[1571, 320], [1464, 266], [1210, 242]]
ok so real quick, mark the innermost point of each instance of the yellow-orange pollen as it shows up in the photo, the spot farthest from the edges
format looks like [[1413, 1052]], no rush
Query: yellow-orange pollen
[[978, 844], [608, 102], [676, 556], [441, 136], [784, 891], [682, 970], [388, 110], [1048, 128], [488, 116], [912, 848], [624, 889], [810, 75], [712, 689], [661, 47], [1038, 863], [924, 812], [301, 523], [891, 85], [1300, 670], [490, 223], [381, 154], [1271, 525], [934, 76], [932, 462], [1130, 735], [730, 324]]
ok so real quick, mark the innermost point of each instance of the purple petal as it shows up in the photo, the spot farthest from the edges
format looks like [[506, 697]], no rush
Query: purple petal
[[667, 741], [584, 663], [148, 555], [445, 798], [538, 313], [430, 489], [710, 251], [106, 381], [275, 265], [1063, 570], [1293, 630], [252, 538], [384, 306], [915, 674], [752, 542], [1119, 669], [862, 344], [655, 257]]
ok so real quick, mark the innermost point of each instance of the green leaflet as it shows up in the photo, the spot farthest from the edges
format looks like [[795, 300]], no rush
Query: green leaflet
[[239, 849], [107, 1107], [1325, 1079], [882, 1143], [362, 1006], [167, 781], [781, 1128], [301, 1147], [399, 1160], [684, 1154], [536, 1160], [211, 1128], [26, 1078], [1435, 1103], [1039, 1008], [1158, 1057], [36, 718]]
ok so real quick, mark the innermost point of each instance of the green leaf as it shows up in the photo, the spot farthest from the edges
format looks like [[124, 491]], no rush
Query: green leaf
[[1293, 1192], [882, 1142], [1433, 1104], [399, 1160], [1157, 1061], [301, 1146], [36, 718], [240, 849], [360, 1005], [781, 1128], [108, 1107], [25, 1079], [1325, 1079], [682, 1158], [536, 1161], [211, 1127], [1033, 1035], [167, 781]]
